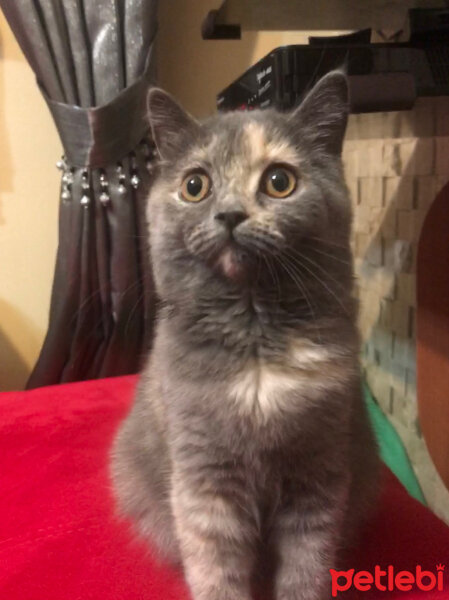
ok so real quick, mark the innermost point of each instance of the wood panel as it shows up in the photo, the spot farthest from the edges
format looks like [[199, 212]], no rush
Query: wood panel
[[433, 332]]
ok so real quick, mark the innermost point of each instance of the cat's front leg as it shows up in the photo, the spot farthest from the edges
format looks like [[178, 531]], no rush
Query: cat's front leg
[[216, 538], [306, 537]]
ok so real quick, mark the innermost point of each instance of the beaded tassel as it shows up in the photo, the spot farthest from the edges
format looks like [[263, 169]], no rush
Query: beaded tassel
[[85, 198], [146, 148], [104, 194]]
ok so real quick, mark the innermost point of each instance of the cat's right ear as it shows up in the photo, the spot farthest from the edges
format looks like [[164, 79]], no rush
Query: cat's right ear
[[169, 123], [323, 114]]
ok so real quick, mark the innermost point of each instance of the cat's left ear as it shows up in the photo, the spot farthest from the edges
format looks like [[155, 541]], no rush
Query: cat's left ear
[[169, 123], [323, 114]]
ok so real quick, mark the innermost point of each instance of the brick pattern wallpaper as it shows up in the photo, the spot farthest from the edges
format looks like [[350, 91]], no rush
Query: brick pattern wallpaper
[[395, 165]]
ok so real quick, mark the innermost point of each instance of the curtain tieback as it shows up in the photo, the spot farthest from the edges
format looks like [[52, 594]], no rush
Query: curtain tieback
[[102, 135]]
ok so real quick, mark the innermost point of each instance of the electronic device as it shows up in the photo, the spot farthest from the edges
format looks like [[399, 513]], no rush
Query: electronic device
[[382, 77]]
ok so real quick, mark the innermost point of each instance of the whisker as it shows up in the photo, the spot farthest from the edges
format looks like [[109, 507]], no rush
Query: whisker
[[317, 265], [261, 244], [273, 276], [331, 256], [298, 281], [296, 278], [286, 262], [328, 242], [323, 283], [278, 284]]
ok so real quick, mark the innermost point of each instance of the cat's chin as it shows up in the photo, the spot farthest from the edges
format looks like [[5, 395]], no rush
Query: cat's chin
[[233, 264]]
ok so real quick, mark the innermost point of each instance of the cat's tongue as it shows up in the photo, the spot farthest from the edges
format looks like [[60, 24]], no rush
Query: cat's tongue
[[231, 264]]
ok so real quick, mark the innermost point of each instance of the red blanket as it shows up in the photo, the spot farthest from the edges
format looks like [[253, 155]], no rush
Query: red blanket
[[60, 540]]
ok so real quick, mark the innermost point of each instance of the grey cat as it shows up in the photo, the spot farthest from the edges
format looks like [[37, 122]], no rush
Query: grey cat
[[248, 456]]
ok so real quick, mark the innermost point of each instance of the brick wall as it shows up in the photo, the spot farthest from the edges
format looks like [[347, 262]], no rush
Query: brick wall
[[395, 165]]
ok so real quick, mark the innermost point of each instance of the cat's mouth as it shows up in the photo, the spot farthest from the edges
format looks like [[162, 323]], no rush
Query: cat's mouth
[[233, 262]]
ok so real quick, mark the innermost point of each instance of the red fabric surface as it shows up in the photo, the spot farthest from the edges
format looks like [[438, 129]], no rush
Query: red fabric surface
[[60, 540]]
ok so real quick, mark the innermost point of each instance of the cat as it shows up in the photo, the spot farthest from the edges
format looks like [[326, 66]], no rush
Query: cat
[[248, 455]]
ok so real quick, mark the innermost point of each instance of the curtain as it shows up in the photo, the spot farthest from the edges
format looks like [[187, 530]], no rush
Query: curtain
[[94, 61]]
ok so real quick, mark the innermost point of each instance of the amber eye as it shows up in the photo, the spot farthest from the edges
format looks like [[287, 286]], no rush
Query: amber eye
[[279, 182], [195, 187]]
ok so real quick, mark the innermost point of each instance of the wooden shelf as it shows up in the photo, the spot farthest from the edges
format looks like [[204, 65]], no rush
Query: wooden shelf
[[303, 15]]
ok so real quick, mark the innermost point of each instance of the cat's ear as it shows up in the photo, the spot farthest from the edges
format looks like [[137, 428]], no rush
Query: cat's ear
[[169, 123], [323, 114]]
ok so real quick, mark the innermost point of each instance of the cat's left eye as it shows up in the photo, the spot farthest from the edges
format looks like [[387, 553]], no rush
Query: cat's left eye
[[279, 182], [195, 187]]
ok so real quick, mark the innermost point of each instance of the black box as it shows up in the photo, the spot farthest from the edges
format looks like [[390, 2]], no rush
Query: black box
[[382, 77]]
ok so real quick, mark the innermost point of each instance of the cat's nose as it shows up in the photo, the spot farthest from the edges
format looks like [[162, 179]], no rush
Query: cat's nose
[[231, 218]]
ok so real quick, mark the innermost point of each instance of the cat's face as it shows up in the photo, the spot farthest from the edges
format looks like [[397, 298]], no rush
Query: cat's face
[[240, 191]]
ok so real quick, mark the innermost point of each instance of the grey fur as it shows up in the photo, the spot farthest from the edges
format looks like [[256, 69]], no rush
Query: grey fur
[[248, 455]]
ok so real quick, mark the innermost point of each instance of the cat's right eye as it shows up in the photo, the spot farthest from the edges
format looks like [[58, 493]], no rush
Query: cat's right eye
[[195, 187], [279, 181]]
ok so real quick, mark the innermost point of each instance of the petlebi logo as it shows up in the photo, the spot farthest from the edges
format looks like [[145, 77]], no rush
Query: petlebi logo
[[387, 580]]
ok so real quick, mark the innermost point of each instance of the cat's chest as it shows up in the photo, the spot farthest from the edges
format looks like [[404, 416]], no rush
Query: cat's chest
[[263, 388]]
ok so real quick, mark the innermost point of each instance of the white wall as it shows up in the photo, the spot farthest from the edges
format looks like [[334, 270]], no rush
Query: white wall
[[29, 187]]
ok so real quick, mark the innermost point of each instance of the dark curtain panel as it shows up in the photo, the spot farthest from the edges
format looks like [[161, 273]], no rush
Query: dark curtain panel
[[94, 61]]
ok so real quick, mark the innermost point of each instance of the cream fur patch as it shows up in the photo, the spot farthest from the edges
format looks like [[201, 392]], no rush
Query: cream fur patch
[[260, 389], [261, 152], [281, 152], [255, 141]]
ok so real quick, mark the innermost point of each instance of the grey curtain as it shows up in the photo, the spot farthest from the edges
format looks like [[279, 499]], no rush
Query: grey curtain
[[94, 61]]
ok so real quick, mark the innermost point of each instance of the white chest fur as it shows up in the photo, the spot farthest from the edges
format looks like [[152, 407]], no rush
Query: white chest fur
[[262, 388]]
